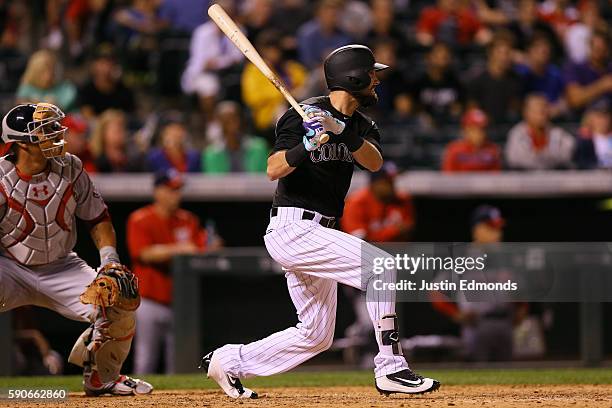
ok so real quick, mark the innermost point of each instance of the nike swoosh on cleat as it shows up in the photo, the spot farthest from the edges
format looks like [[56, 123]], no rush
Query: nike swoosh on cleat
[[231, 380], [419, 382]]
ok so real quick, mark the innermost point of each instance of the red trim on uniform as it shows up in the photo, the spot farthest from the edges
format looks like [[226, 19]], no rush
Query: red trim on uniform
[[59, 217], [17, 206], [124, 338], [94, 380], [3, 192], [5, 148], [23, 176], [105, 216]]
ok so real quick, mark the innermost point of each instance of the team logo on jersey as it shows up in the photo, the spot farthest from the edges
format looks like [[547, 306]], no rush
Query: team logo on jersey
[[331, 152], [44, 191]]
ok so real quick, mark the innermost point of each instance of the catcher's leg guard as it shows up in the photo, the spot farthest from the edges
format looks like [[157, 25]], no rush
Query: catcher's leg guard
[[104, 346]]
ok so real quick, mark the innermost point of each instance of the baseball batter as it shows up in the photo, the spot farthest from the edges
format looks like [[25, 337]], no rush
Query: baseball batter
[[313, 181], [42, 191]]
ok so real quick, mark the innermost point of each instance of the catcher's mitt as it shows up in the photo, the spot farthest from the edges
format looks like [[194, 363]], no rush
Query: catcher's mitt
[[115, 286]]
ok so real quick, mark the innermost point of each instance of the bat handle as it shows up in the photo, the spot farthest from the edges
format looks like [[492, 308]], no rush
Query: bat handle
[[323, 138]]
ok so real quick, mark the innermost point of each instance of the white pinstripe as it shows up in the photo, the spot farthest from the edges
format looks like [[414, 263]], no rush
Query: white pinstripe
[[315, 259]]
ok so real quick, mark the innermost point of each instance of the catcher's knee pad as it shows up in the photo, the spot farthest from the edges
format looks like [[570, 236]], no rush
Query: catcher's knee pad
[[105, 345]]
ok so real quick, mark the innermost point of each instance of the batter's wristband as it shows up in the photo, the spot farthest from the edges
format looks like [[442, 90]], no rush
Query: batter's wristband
[[296, 155], [108, 254], [354, 144]]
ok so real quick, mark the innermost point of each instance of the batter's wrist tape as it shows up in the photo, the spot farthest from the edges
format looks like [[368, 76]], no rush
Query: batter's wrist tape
[[296, 155], [354, 144], [108, 254]]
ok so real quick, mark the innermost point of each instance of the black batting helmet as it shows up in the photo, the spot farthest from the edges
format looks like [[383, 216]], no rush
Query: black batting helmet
[[349, 67]]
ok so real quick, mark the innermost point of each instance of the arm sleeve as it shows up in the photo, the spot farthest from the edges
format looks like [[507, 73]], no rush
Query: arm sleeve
[[289, 131], [90, 205]]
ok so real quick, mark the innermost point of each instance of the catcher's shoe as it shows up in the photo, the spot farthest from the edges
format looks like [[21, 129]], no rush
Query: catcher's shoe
[[123, 385], [231, 385], [405, 382]]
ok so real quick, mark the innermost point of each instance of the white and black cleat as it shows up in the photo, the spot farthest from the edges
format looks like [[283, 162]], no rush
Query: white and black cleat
[[229, 384], [123, 385], [405, 382]]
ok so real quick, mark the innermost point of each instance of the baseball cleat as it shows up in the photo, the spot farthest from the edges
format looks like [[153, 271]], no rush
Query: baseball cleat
[[231, 385], [405, 382], [123, 385]]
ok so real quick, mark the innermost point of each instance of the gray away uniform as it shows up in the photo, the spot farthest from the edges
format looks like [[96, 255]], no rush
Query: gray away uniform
[[38, 267]]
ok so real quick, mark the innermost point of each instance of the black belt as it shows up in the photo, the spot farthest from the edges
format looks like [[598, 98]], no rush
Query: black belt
[[327, 222]]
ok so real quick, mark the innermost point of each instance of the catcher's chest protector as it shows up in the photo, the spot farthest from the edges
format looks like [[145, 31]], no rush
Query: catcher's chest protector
[[37, 225]]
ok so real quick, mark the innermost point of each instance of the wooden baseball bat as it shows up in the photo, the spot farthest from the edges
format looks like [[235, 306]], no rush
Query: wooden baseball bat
[[231, 30]]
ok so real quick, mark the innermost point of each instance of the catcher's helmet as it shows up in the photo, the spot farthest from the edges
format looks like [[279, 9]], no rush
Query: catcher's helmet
[[349, 67], [37, 123]]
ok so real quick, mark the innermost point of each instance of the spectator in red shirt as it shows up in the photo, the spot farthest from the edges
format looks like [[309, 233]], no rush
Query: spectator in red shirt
[[379, 213], [451, 22], [473, 152], [155, 234]]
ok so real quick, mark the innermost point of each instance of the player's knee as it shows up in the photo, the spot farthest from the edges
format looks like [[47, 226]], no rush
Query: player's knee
[[327, 342], [319, 339]]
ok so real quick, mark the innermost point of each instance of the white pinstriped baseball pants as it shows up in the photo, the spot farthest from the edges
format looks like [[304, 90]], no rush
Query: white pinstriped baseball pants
[[315, 259]]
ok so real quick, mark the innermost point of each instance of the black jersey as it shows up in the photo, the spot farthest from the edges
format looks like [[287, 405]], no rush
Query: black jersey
[[320, 182]]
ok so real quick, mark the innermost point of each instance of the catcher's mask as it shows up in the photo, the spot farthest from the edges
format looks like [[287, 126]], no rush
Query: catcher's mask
[[38, 124]]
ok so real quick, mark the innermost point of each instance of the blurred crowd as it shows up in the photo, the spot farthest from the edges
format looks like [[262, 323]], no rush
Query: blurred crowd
[[482, 85]]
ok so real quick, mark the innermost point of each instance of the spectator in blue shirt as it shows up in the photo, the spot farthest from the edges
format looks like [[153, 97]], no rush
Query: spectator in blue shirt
[[174, 151], [183, 16], [321, 35], [590, 82], [540, 76]]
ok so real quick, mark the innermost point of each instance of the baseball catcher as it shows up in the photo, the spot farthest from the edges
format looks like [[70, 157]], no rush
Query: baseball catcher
[[43, 190]]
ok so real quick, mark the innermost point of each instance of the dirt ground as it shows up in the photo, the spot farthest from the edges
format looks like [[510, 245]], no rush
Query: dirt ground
[[494, 396]]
